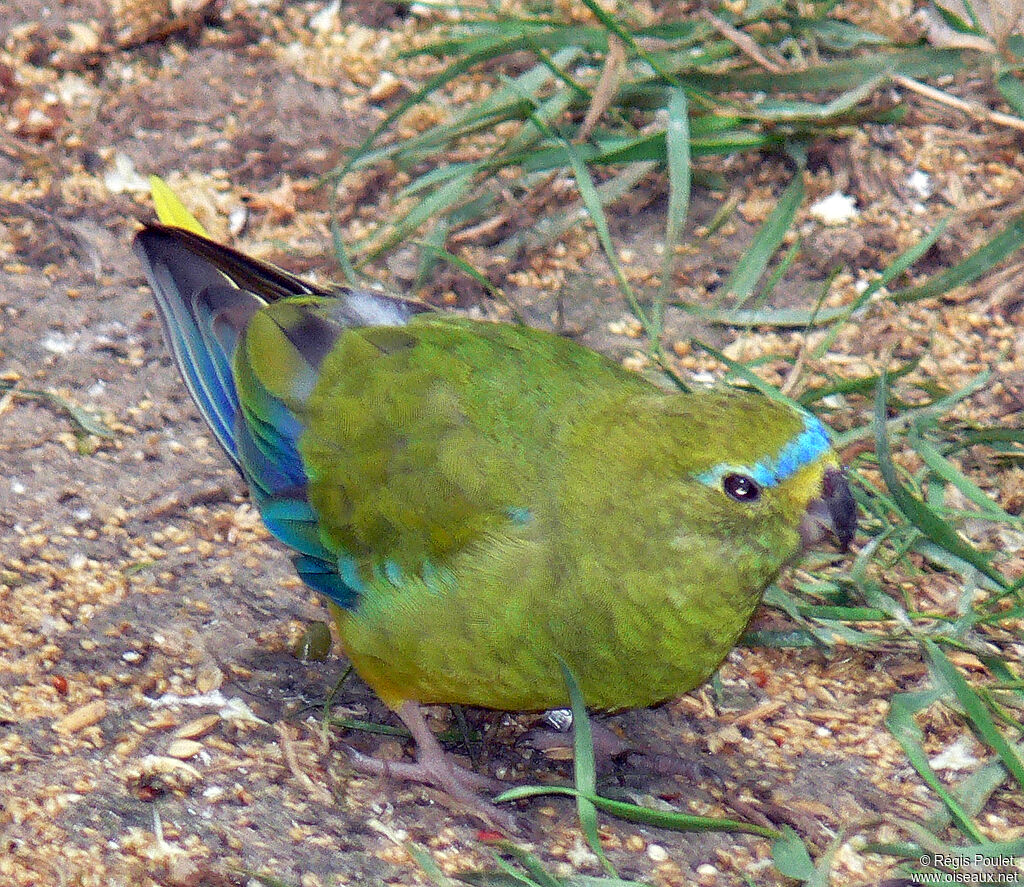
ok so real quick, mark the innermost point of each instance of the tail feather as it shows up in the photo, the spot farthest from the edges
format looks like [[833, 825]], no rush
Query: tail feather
[[248, 340], [202, 314], [207, 295]]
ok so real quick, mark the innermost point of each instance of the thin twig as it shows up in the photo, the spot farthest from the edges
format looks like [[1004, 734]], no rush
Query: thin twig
[[607, 86], [793, 377], [745, 43], [316, 791], [971, 109]]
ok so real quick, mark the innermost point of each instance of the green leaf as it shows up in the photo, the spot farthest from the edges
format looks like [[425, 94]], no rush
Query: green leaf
[[789, 853]]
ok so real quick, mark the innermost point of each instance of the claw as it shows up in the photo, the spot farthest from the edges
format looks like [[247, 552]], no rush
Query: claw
[[433, 767]]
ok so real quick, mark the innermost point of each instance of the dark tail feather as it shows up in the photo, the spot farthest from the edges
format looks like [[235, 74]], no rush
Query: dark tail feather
[[206, 295]]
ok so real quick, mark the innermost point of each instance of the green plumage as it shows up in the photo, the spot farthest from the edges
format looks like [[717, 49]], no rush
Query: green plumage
[[506, 495], [485, 498]]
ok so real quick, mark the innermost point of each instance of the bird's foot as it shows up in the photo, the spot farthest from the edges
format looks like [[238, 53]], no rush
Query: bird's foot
[[558, 744], [422, 773], [433, 767]]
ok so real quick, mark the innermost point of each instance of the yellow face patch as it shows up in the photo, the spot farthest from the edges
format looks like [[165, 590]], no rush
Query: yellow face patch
[[794, 495]]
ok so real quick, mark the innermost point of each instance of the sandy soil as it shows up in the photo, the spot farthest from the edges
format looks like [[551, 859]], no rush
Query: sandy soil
[[155, 727]]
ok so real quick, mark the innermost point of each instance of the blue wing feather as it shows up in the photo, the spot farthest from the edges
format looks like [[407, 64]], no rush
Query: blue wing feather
[[207, 295]]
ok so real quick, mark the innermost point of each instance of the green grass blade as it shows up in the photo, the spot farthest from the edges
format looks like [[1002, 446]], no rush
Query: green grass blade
[[862, 385], [781, 318], [431, 206], [790, 111], [900, 265], [922, 62], [537, 876], [592, 201], [1012, 91], [584, 767], [836, 34], [430, 868], [498, 105], [900, 722], [85, 421], [672, 820], [915, 510], [768, 239], [677, 138], [747, 375], [973, 793], [615, 26], [1007, 241], [789, 853], [946, 471], [976, 711], [553, 226]]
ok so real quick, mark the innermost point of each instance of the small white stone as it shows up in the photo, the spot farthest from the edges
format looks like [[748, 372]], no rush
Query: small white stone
[[707, 874], [123, 178], [836, 209], [57, 342], [957, 756], [656, 853], [328, 18], [580, 854], [920, 183], [238, 218], [559, 718]]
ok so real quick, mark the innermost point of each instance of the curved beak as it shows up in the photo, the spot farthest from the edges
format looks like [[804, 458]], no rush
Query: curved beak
[[835, 512]]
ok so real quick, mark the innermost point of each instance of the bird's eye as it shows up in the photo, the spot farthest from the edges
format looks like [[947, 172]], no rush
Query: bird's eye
[[741, 488]]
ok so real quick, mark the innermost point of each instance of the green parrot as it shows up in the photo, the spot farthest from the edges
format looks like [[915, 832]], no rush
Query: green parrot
[[480, 500]]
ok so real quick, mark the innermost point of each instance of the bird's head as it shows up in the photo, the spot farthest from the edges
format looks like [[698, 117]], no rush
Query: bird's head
[[772, 462], [732, 467]]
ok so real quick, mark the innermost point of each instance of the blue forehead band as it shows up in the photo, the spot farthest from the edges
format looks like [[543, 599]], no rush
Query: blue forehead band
[[799, 451]]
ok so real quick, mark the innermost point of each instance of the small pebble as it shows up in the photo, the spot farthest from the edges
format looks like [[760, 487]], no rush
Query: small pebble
[[707, 875], [656, 853]]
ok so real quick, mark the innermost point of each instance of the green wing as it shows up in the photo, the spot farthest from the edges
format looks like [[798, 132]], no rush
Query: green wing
[[423, 439]]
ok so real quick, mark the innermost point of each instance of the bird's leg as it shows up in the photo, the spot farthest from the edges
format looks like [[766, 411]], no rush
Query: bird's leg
[[433, 767]]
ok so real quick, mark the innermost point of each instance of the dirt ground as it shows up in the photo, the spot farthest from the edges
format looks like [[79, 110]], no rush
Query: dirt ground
[[155, 726]]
